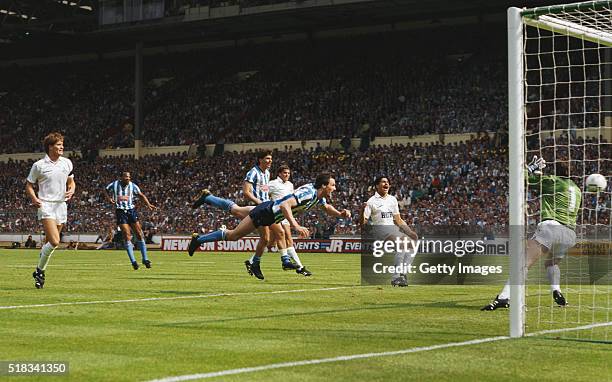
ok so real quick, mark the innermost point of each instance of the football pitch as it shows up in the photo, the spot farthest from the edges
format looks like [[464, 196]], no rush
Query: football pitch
[[205, 318]]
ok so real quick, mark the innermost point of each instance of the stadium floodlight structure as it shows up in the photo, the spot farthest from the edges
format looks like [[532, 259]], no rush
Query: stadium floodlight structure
[[560, 100]]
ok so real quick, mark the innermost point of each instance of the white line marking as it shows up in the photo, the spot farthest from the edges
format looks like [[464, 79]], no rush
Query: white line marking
[[238, 294], [360, 356], [584, 327]]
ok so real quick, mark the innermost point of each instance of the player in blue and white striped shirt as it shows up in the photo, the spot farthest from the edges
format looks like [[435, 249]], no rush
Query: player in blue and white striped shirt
[[121, 193], [255, 186], [271, 212]]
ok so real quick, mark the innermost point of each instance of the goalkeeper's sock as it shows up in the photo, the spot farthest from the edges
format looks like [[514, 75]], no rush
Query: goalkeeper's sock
[[554, 276], [505, 293]]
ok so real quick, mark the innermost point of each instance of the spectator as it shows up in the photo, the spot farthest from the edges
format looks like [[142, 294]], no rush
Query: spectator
[[30, 243]]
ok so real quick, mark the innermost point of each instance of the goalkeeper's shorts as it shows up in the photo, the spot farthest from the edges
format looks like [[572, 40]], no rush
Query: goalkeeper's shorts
[[556, 237]]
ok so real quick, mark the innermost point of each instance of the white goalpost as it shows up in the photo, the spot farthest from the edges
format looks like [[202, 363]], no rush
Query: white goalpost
[[560, 109]]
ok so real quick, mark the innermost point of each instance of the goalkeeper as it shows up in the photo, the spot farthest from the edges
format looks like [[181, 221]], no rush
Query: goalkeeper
[[559, 204]]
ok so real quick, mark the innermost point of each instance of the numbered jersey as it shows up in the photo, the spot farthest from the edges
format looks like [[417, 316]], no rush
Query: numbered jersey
[[560, 198]]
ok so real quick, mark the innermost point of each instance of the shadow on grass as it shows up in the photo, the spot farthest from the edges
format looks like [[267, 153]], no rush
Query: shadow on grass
[[444, 305]]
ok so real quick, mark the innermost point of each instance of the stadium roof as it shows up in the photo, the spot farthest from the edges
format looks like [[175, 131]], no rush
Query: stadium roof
[[43, 28]]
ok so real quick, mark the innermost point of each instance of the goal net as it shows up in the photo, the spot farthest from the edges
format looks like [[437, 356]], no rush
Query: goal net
[[560, 99]]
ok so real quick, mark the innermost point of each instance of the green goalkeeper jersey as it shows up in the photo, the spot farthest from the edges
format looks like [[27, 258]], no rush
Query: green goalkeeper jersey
[[560, 198]]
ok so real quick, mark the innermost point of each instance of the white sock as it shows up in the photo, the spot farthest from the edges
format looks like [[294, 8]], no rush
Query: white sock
[[45, 254], [554, 276], [398, 260], [291, 251], [505, 293], [408, 258], [283, 252]]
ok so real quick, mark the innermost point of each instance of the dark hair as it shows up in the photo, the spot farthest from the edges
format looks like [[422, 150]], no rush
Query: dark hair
[[262, 154], [379, 179], [322, 180], [51, 139], [282, 168]]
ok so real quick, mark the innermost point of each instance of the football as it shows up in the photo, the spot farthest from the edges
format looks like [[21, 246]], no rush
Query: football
[[596, 183]]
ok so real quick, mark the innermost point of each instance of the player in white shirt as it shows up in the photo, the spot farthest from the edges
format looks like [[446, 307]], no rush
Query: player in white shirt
[[56, 185], [279, 188], [382, 209]]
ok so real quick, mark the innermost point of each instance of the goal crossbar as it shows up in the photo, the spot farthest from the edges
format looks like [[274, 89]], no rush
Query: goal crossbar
[[568, 28]]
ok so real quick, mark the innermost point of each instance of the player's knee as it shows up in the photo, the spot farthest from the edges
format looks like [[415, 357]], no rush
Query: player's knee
[[54, 242], [536, 248], [230, 235], [280, 236], [128, 237]]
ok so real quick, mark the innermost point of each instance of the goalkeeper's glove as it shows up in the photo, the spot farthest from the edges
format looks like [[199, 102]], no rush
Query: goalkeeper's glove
[[536, 165]]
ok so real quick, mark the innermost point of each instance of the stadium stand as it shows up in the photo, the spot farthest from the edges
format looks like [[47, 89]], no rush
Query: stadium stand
[[434, 184], [336, 88]]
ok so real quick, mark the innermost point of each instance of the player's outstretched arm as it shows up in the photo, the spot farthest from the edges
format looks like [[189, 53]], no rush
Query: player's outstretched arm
[[146, 200], [331, 211], [285, 208]]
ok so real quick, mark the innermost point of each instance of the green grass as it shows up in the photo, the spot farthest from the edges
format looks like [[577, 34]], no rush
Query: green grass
[[187, 333]]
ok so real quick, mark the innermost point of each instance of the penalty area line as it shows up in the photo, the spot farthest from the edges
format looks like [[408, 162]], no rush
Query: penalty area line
[[344, 358]]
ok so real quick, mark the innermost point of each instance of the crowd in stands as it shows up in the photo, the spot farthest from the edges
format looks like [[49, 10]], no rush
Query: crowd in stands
[[334, 88], [459, 188]]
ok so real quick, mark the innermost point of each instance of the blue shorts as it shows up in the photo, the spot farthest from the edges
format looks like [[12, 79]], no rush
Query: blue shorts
[[262, 215], [126, 217]]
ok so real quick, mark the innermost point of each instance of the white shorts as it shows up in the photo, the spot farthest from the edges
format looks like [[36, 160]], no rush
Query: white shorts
[[53, 210], [555, 236], [392, 232]]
